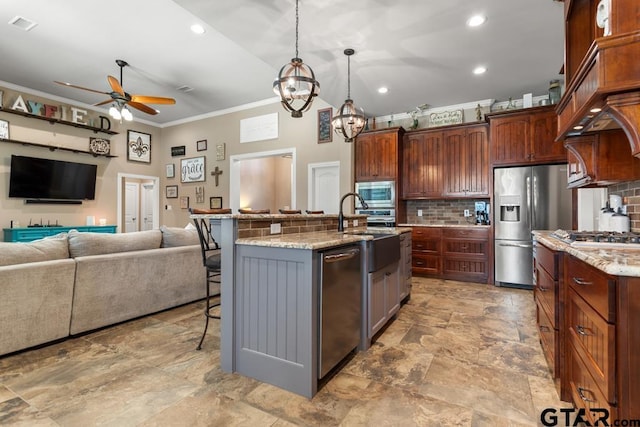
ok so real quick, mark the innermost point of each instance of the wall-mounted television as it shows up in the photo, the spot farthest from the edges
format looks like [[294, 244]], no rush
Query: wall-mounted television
[[44, 179]]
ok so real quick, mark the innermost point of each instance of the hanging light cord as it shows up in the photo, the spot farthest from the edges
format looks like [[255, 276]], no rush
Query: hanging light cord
[[348, 76], [296, 28]]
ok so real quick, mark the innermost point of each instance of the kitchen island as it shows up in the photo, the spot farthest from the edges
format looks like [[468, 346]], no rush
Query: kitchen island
[[271, 294], [587, 297]]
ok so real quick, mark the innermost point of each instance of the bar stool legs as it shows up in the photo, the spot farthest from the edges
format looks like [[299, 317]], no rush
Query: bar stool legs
[[212, 301]]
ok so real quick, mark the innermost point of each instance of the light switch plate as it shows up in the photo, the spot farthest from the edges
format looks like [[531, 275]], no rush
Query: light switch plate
[[419, 212], [355, 222], [276, 228], [345, 223]]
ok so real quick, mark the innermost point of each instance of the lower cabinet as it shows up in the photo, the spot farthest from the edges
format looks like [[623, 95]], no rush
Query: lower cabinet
[[457, 253], [29, 234], [405, 265], [384, 297]]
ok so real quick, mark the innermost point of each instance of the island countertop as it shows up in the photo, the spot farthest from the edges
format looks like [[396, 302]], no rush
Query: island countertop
[[319, 239], [617, 262]]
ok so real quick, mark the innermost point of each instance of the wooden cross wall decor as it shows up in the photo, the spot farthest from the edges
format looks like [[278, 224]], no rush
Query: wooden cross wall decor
[[216, 173]]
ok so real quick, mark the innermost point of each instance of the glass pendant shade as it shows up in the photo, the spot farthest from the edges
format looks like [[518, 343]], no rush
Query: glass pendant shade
[[296, 84], [350, 120]]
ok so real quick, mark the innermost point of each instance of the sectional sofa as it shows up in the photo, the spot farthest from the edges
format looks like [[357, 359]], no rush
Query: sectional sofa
[[77, 282]]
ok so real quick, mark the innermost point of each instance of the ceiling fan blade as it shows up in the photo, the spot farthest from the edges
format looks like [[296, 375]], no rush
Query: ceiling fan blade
[[115, 85], [152, 99], [103, 102], [80, 87], [143, 108]]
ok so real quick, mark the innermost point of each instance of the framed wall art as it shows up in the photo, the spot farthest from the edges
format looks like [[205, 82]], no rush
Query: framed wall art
[[201, 145], [138, 146], [170, 170], [184, 202], [192, 169], [324, 125], [99, 146], [200, 194], [171, 192], [220, 151], [178, 151], [215, 202], [4, 129]]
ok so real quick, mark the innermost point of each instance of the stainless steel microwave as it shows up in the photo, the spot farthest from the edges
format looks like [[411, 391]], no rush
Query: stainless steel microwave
[[377, 194]]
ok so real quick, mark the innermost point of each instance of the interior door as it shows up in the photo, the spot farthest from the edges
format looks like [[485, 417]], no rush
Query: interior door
[[131, 206], [147, 206], [324, 187]]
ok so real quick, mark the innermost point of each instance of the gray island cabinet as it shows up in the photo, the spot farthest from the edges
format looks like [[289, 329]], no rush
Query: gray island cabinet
[[272, 290]]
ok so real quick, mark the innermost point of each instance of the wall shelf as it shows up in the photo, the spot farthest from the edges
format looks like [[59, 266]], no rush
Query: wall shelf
[[54, 148], [58, 121]]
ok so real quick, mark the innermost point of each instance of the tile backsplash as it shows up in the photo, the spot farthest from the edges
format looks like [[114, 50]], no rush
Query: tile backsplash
[[442, 211], [630, 192]]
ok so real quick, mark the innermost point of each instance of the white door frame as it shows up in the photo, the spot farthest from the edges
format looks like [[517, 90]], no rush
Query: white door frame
[[234, 173], [122, 177], [311, 170]]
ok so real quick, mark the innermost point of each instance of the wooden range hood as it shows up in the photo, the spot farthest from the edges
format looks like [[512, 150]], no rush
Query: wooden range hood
[[603, 72]]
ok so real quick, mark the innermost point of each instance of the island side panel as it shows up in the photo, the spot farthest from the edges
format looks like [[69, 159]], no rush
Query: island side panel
[[228, 233], [276, 316]]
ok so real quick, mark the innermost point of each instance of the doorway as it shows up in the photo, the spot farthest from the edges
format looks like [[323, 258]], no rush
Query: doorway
[[238, 198], [146, 202], [324, 187]]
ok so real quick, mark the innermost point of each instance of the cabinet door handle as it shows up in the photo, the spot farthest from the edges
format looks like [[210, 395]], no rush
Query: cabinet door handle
[[583, 331], [542, 289], [580, 281], [581, 391], [419, 263], [544, 328]]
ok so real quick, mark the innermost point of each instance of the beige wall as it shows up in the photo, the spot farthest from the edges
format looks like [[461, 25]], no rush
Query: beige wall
[[293, 133]]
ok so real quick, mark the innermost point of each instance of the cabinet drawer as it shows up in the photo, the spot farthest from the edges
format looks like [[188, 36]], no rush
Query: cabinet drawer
[[465, 233], [548, 340], [465, 269], [597, 288], [426, 245], [584, 391], [548, 260], [594, 340], [465, 247], [426, 233], [425, 264], [546, 291]]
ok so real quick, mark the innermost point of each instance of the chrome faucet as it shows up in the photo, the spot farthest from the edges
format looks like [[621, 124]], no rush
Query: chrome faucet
[[341, 216]]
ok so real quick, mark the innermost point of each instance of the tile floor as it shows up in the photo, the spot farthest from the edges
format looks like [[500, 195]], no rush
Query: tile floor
[[458, 354]]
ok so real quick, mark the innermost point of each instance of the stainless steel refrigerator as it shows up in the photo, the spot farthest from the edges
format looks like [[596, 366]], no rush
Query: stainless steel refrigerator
[[525, 199]]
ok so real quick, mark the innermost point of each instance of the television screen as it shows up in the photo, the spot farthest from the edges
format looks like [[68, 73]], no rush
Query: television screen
[[35, 178]]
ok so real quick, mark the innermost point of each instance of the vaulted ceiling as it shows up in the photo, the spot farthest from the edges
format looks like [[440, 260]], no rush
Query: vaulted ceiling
[[422, 50]]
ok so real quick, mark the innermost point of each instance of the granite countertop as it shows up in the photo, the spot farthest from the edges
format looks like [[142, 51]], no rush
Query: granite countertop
[[273, 216], [617, 262], [424, 224], [319, 239]]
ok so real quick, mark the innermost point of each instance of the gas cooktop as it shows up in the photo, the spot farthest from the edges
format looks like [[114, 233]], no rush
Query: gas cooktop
[[611, 239]]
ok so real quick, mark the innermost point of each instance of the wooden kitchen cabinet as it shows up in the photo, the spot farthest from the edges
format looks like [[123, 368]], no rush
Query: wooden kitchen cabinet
[[523, 137], [425, 250], [466, 151], [465, 254], [422, 160], [376, 155], [405, 265], [548, 280], [602, 357], [601, 158]]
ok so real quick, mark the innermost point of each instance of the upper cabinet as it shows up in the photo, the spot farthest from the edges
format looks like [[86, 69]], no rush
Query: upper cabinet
[[525, 136], [376, 155], [451, 162], [602, 44], [600, 159]]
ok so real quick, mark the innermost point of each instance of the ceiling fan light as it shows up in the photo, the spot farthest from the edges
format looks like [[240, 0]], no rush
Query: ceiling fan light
[[126, 114], [114, 113], [296, 84]]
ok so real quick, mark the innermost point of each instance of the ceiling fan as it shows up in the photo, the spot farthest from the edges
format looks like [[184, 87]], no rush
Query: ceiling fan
[[122, 98]]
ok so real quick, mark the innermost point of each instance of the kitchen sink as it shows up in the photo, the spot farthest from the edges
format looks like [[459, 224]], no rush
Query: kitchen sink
[[382, 250]]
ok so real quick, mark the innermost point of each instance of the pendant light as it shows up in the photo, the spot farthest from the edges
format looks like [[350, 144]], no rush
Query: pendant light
[[296, 83], [350, 120]]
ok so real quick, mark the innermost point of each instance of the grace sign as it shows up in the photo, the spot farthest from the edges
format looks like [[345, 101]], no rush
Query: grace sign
[[193, 169]]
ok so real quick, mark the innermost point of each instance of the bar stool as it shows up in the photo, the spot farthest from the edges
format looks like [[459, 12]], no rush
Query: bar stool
[[290, 211], [314, 212], [254, 211], [211, 259]]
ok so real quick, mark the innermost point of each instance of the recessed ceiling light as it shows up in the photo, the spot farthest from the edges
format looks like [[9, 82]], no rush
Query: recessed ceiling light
[[24, 23], [480, 70], [476, 20], [383, 89], [197, 29]]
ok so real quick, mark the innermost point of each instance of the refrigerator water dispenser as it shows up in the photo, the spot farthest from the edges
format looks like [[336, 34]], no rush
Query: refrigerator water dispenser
[[510, 208]]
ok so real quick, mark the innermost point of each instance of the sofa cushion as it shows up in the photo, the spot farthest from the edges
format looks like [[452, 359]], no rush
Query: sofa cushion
[[84, 244], [176, 236], [47, 249]]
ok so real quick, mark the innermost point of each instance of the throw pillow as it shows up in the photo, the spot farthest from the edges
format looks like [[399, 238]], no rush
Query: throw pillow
[[176, 236]]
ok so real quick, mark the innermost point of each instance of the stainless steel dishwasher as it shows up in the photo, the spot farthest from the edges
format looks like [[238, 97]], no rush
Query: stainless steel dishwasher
[[340, 305]]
